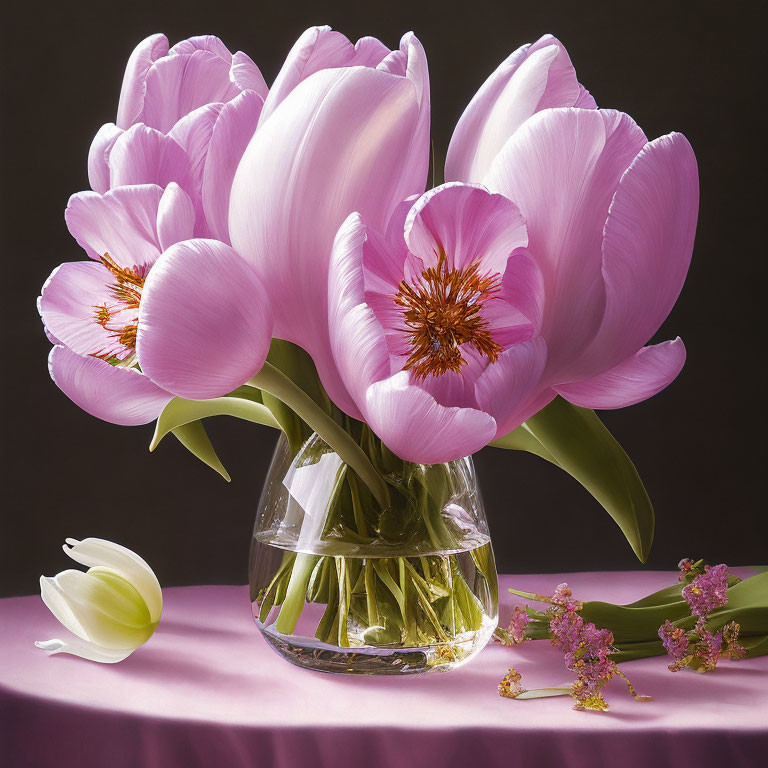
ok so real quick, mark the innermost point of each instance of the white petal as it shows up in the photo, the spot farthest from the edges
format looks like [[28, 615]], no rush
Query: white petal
[[85, 650], [100, 552], [57, 603]]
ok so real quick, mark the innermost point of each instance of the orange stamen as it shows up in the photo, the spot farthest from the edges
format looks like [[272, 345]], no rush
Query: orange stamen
[[442, 312]]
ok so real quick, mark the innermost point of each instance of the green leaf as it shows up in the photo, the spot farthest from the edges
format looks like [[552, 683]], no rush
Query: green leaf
[[180, 412], [575, 440], [542, 693], [195, 439]]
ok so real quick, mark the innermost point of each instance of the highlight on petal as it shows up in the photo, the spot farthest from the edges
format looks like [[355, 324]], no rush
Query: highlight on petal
[[562, 168], [469, 224], [94, 552], [118, 395], [231, 133], [416, 71], [424, 431], [319, 48], [647, 246], [337, 131], [204, 322], [533, 78], [134, 81], [509, 388], [645, 374]]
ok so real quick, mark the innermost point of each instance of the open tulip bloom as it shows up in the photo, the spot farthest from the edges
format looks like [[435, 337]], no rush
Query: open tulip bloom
[[274, 254]]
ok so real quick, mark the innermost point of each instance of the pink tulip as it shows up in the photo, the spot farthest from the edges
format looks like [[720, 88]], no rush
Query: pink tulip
[[608, 291], [418, 322], [345, 128], [494, 302], [154, 313], [185, 115]]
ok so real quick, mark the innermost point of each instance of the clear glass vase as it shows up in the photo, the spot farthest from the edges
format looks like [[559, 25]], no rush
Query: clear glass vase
[[337, 584]]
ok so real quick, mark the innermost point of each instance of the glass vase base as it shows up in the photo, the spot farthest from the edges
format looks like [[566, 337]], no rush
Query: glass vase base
[[309, 653]]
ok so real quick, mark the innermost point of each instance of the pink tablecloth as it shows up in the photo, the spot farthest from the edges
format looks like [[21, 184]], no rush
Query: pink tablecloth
[[207, 691]]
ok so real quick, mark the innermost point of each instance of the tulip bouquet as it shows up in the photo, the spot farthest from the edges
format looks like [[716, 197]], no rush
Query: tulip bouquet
[[274, 254]]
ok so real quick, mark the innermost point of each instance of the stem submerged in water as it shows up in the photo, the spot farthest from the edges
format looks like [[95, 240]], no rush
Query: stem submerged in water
[[409, 575], [295, 595]]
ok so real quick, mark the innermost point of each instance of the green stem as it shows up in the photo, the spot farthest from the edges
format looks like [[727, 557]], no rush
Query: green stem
[[370, 594], [296, 593], [269, 379], [357, 509]]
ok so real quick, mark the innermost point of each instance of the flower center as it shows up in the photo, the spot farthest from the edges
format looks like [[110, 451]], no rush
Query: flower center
[[442, 311], [120, 317]]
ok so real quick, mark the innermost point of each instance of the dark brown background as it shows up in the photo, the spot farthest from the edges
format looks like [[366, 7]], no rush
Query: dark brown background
[[696, 67]]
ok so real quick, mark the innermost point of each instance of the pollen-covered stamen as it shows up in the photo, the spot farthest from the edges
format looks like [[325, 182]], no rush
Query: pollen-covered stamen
[[126, 292], [102, 313], [442, 311], [127, 336], [125, 275]]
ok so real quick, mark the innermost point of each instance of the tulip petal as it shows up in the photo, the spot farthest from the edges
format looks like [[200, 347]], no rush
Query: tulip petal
[[561, 168], [177, 85], [534, 77], [645, 374], [305, 170], [457, 389], [109, 617], [647, 246], [193, 134], [85, 650], [122, 223], [319, 48], [68, 303], [585, 100], [98, 156], [416, 166], [175, 217], [143, 155], [209, 43], [523, 286], [118, 395], [357, 338], [204, 321], [247, 76], [134, 81], [233, 130], [417, 428], [94, 552], [468, 224], [510, 388], [59, 606]]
